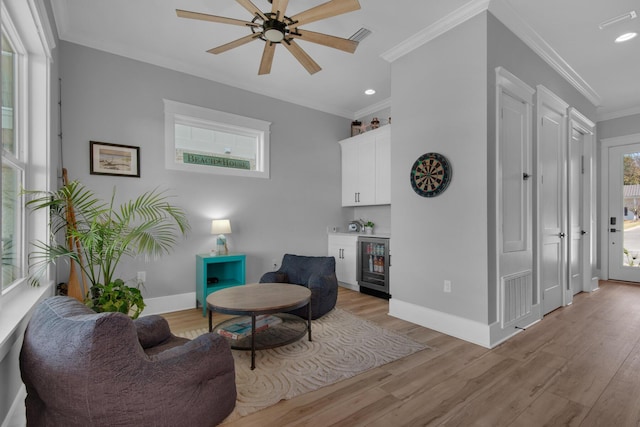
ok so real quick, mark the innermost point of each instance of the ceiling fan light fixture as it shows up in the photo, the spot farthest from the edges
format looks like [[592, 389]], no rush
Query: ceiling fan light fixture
[[625, 37], [274, 30]]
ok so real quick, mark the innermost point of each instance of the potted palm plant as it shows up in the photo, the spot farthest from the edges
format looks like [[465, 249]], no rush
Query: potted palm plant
[[103, 234]]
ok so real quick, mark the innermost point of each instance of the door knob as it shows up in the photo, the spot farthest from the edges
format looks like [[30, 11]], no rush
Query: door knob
[[583, 232], [561, 235]]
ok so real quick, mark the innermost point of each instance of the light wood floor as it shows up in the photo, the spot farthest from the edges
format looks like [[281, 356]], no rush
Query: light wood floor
[[579, 366]]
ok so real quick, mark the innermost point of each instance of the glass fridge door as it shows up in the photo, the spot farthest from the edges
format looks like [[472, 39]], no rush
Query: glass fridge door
[[373, 264]]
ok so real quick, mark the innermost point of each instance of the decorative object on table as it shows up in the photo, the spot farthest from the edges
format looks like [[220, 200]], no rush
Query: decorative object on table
[[430, 174], [114, 159], [354, 226], [104, 233], [344, 346], [221, 227], [276, 28], [242, 326], [368, 227], [356, 127], [318, 273], [375, 123], [83, 368]]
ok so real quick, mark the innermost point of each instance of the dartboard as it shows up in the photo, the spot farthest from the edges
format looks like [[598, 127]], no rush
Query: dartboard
[[430, 174]]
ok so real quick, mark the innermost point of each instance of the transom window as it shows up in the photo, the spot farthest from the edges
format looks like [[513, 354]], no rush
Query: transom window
[[203, 140]]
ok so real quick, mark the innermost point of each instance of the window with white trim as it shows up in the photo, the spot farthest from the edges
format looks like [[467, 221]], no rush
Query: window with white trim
[[203, 140], [27, 41], [13, 165]]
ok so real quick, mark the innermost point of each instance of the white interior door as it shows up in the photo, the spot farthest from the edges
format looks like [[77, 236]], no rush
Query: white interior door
[[624, 205], [577, 230], [552, 147]]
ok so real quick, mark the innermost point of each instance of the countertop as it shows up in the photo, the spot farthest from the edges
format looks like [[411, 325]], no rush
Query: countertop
[[356, 233]]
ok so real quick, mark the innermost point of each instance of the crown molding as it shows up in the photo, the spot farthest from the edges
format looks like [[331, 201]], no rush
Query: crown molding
[[505, 13], [441, 26], [385, 103]]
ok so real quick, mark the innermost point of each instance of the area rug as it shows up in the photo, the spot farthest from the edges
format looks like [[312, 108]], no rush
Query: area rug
[[343, 346]]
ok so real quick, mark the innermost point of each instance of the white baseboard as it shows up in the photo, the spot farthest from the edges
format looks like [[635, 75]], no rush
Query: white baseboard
[[459, 327], [349, 286], [169, 303]]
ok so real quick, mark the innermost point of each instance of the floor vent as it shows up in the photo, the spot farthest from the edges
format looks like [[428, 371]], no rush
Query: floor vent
[[516, 297]]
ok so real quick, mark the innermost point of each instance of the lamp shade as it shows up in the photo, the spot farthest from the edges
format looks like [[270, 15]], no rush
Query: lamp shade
[[220, 226]]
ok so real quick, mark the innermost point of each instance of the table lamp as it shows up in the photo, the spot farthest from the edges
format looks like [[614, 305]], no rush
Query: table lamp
[[221, 227]]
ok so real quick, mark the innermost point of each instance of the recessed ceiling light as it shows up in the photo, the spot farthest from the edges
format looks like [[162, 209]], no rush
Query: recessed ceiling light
[[369, 92], [626, 37]]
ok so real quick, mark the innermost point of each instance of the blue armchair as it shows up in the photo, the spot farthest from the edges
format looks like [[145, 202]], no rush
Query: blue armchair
[[316, 273]]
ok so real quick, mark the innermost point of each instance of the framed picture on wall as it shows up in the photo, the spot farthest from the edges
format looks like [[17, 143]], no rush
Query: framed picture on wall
[[114, 159]]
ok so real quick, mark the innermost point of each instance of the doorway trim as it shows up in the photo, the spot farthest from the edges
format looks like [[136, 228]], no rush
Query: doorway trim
[[589, 209], [605, 145]]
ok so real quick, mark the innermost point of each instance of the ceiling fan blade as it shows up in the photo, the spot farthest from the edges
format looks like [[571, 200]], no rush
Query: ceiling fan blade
[[252, 8], [235, 43], [267, 58], [279, 6], [326, 40], [311, 66], [326, 10], [213, 18]]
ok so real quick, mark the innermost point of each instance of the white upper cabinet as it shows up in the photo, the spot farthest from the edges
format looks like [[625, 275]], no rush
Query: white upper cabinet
[[366, 168], [383, 168]]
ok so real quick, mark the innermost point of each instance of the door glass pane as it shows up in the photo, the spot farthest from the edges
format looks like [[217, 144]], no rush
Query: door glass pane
[[11, 226], [631, 209]]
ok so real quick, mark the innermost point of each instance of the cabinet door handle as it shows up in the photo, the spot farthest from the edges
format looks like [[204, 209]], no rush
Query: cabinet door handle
[[355, 197], [358, 197]]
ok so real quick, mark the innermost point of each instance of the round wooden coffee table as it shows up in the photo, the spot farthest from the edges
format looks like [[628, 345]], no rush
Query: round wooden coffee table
[[258, 299]]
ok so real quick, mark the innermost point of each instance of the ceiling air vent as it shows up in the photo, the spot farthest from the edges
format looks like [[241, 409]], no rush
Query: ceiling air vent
[[360, 35]]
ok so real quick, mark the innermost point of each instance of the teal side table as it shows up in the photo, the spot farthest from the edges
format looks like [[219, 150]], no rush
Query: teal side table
[[215, 272]]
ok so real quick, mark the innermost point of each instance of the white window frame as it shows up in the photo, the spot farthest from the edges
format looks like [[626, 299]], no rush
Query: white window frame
[[18, 160], [28, 20], [191, 115]]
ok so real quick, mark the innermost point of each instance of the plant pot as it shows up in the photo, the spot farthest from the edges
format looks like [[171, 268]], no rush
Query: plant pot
[[368, 230]]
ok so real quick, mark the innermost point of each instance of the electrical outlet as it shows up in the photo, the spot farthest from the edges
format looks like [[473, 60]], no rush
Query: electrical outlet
[[142, 276], [447, 285], [332, 229]]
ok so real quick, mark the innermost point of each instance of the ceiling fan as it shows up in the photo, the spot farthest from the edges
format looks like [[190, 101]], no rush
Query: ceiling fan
[[276, 28]]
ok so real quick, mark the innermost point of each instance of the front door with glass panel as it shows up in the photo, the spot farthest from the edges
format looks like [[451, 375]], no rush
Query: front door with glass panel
[[623, 222]]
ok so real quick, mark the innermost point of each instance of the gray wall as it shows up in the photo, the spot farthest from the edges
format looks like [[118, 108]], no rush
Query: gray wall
[[444, 101], [439, 105], [113, 99], [620, 126]]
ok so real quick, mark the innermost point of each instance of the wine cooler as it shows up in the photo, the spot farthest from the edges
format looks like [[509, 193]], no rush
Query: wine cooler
[[373, 265]]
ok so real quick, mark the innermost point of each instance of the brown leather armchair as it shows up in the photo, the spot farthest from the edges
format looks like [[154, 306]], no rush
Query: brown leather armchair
[[82, 368]]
